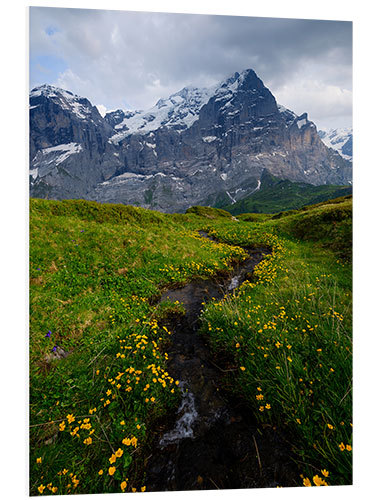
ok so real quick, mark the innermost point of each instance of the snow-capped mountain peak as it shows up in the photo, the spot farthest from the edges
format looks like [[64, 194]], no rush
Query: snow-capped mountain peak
[[179, 111], [340, 139], [79, 106]]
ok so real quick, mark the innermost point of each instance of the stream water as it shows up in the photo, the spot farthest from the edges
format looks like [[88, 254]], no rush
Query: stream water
[[213, 442]]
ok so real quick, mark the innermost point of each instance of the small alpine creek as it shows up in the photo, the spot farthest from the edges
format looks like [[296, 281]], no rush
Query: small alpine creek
[[213, 442]]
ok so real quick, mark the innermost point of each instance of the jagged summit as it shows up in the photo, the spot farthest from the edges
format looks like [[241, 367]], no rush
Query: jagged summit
[[244, 80], [179, 111], [79, 106], [182, 109], [51, 91]]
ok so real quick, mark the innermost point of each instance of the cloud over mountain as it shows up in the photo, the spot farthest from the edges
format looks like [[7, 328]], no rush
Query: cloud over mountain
[[131, 59]]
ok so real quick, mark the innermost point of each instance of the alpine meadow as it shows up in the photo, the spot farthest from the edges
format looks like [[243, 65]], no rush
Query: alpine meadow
[[102, 390]]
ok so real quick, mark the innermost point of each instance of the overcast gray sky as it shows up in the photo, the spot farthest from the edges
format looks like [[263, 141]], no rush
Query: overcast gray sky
[[120, 59]]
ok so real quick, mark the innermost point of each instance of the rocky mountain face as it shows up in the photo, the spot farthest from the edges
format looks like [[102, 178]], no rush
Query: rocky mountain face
[[198, 147], [69, 148], [340, 139]]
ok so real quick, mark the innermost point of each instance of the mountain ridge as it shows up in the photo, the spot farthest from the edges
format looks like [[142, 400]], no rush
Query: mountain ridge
[[194, 147]]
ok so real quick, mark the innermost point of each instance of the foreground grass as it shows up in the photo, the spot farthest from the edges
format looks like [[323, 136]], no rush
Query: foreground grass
[[98, 377], [290, 332], [98, 362]]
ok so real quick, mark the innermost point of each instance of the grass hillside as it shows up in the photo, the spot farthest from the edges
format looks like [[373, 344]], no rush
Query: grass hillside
[[99, 378], [209, 212], [278, 195]]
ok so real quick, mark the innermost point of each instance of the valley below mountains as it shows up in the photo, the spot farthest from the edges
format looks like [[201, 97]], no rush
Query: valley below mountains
[[209, 146]]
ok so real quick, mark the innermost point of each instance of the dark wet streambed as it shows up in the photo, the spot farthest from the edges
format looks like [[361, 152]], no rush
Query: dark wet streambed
[[213, 442]]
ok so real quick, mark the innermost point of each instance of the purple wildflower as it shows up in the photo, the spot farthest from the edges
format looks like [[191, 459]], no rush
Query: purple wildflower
[[54, 349], [48, 334]]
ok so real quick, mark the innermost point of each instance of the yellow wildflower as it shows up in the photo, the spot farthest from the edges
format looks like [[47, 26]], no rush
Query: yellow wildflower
[[39, 460], [119, 453], [41, 488], [348, 447], [123, 485], [100, 472], [325, 472], [342, 446], [134, 441], [318, 481], [88, 440], [306, 481], [111, 471], [70, 418], [242, 368]]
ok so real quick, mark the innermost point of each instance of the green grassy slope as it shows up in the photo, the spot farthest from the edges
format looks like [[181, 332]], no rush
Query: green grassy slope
[[276, 195], [98, 361]]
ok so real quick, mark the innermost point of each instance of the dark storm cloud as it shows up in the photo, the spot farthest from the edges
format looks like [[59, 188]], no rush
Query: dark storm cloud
[[119, 58]]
